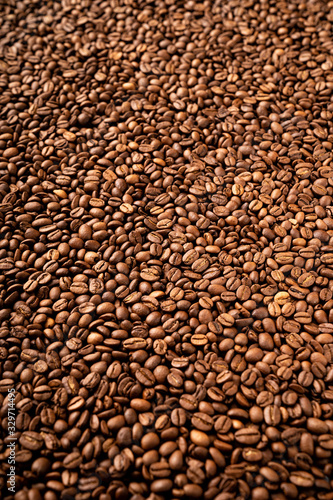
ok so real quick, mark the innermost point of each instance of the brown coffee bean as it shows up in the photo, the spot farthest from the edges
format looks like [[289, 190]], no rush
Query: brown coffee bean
[[41, 466], [199, 438], [223, 424], [161, 485], [316, 426], [178, 417], [31, 440], [272, 415], [326, 441], [247, 436], [134, 343], [252, 455], [202, 421], [72, 460], [160, 469], [302, 479]]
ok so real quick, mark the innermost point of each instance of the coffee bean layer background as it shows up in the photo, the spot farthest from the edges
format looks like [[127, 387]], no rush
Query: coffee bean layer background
[[166, 249]]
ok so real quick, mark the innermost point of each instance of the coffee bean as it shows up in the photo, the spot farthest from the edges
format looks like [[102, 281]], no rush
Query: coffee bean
[[326, 441], [272, 415], [223, 424], [247, 436], [260, 493], [134, 343], [160, 469], [199, 438], [176, 460], [316, 426], [192, 490], [178, 417], [72, 460], [31, 440], [302, 479], [202, 421], [188, 402], [252, 455], [161, 485]]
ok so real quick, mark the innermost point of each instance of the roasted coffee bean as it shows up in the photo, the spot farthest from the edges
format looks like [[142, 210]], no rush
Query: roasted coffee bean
[[252, 455], [247, 436], [160, 469], [178, 417], [302, 479], [223, 424], [31, 440], [202, 421]]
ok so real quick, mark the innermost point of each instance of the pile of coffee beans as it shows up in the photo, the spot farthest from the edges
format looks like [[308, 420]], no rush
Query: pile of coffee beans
[[166, 249]]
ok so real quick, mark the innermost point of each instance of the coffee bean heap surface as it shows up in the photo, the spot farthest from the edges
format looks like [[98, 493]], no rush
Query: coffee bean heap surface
[[166, 249]]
